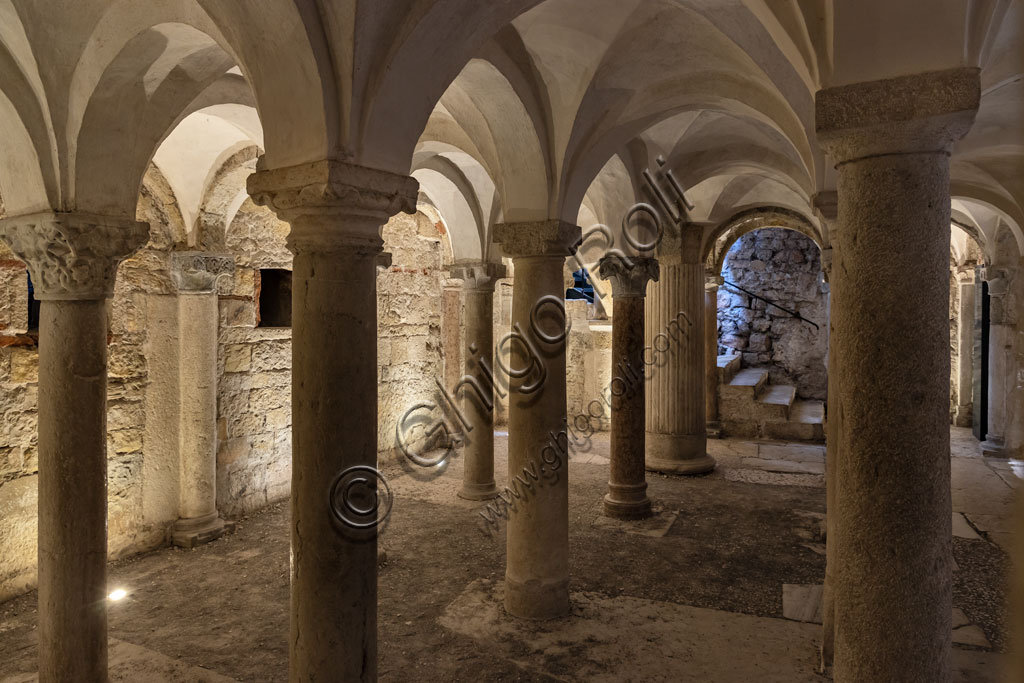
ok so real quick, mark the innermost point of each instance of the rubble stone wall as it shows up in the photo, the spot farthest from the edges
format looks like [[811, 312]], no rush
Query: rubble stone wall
[[785, 267]]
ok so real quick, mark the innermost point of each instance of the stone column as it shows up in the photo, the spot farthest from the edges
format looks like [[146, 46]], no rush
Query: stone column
[[1000, 359], [73, 259], [476, 385], [825, 204], [891, 142], [676, 425], [537, 563], [336, 211], [195, 275], [711, 285], [963, 411], [627, 483]]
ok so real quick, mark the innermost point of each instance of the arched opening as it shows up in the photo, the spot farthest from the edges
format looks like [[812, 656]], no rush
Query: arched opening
[[772, 336]]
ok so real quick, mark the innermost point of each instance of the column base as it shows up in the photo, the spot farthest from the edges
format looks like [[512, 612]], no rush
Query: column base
[[536, 599], [714, 429], [189, 533], [678, 454], [627, 509], [478, 491], [993, 448]]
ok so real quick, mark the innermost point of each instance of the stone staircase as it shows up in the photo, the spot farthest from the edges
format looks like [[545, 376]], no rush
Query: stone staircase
[[750, 407]]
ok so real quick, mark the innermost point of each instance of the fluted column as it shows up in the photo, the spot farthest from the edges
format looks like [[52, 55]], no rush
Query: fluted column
[[195, 275], [336, 211], [537, 557], [674, 331], [891, 141], [627, 483], [73, 259], [475, 387], [1000, 358], [711, 285]]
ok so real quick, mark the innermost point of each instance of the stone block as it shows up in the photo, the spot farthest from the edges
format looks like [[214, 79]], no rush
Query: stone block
[[262, 401], [18, 532], [270, 379], [272, 356], [125, 361], [759, 342], [233, 450], [24, 365], [237, 313], [734, 342], [11, 462], [245, 425], [124, 441], [244, 282], [237, 358], [279, 419]]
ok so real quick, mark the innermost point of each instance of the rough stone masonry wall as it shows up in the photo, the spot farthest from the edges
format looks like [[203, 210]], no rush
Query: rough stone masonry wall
[[409, 310], [129, 529], [254, 406], [254, 439], [784, 266]]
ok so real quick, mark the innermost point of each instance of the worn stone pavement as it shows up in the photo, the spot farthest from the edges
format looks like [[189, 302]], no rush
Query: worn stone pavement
[[694, 594]]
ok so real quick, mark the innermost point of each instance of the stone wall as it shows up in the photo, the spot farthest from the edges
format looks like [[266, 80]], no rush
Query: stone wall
[[129, 528], [783, 266], [409, 310], [254, 440], [253, 366]]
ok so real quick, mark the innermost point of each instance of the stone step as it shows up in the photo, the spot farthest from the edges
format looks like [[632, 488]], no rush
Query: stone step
[[746, 385], [805, 421], [728, 366], [775, 402], [808, 412]]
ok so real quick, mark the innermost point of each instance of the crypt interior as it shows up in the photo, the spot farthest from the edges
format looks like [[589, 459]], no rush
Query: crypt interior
[[519, 340]]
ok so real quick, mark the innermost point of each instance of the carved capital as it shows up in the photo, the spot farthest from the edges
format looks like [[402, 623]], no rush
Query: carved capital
[[712, 282], [538, 238], [197, 271], [909, 114], [1002, 303], [966, 275], [629, 277], [73, 256], [334, 206], [478, 276]]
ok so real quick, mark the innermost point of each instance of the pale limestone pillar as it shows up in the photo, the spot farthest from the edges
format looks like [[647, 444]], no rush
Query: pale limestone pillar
[[1001, 360], [537, 562], [674, 331], [195, 275], [711, 285], [890, 141], [627, 483], [963, 411], [73, 259], [336, 211], [476, 384]]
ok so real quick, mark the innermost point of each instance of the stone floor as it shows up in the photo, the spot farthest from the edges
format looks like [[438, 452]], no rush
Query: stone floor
[[694, 594]]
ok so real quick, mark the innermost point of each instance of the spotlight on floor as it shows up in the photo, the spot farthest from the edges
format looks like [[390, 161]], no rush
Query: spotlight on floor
[[117, 594]]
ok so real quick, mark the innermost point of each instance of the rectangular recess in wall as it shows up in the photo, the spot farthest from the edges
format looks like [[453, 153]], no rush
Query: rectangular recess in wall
[[275, 298]]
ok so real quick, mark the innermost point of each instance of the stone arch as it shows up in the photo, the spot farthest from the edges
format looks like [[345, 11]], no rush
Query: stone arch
[[225, 194], [719, 242]]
